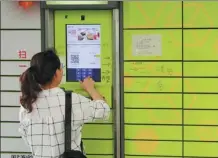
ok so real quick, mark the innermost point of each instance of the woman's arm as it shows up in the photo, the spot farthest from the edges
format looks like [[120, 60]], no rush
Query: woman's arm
[[85, 110], [89, 110]]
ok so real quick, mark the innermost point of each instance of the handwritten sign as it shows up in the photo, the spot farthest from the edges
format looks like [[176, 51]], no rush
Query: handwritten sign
[[152, 84], [153, 69], [106, 79]]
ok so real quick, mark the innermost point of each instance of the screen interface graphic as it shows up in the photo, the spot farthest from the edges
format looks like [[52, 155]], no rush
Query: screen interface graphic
[[83, 52]]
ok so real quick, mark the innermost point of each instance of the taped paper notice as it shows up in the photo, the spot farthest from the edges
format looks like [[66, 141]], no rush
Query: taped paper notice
[[146, 45]]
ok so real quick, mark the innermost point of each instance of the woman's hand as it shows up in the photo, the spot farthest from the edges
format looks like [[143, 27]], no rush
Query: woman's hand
[[88, 84]]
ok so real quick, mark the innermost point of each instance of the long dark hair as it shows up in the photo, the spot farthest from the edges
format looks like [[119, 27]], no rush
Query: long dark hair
[[42, 69]]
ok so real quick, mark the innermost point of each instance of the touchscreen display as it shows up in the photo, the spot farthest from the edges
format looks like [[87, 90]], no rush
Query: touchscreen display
[[83, 52]]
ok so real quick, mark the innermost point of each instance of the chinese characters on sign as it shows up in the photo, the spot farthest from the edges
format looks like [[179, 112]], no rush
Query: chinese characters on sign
[[146, 45], [21, 156], [22, 54]]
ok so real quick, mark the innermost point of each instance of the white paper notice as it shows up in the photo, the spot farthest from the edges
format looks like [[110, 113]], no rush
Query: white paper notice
[[83, 46], [146, 45]]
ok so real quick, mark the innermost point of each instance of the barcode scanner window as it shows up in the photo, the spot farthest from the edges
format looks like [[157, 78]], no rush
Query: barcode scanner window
[[74, 59], [43, 128]]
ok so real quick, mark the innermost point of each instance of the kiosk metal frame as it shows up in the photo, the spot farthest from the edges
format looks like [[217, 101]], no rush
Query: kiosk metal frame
[[109, 6], [47, 23]]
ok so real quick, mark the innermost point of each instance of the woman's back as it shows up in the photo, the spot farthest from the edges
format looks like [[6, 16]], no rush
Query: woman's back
[[43, 128]]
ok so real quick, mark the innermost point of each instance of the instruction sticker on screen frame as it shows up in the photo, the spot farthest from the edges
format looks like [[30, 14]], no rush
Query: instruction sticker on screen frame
[[83, 52], [146, 45]]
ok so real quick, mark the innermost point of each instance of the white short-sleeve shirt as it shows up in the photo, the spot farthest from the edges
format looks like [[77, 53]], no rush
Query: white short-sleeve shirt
[[43, 128]]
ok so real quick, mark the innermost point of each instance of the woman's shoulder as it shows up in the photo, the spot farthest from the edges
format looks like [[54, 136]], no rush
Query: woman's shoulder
[[51, 92]]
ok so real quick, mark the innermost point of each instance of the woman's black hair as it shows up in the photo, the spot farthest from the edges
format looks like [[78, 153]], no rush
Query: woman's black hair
[[42, 69]]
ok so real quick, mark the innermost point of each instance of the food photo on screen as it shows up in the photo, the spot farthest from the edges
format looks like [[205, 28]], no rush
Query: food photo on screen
[[88, 34]]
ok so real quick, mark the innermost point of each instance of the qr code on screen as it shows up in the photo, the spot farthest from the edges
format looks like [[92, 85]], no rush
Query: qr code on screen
[[75, 59]]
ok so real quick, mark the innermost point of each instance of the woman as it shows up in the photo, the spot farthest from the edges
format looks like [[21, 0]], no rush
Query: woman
[[43, 107]]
